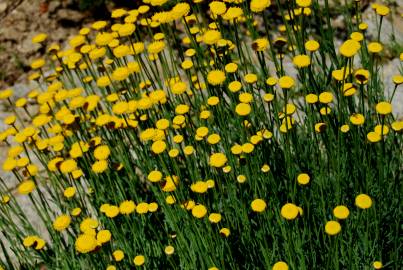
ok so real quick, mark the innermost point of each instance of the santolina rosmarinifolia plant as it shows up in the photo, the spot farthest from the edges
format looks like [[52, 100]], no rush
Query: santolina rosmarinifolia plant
[[173, 137]]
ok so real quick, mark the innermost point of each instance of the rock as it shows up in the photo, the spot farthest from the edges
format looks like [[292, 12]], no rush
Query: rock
[[68, 16], [391, 69], [53, 6], [387, 31], [3, 7]]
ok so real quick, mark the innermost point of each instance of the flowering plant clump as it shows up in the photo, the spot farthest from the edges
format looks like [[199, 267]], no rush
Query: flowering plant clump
[[182, 135]]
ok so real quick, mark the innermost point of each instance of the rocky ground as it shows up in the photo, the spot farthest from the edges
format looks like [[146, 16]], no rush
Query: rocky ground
[[20, 20]]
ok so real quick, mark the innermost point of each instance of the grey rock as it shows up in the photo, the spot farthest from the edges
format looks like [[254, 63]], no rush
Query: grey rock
[[3, 7], [70, 15], [53, 6]]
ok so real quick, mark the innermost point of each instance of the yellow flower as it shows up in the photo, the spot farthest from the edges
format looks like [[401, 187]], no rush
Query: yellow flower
[[101, 152], [341, 212], [303, 179], [216, 77], [39, 38], [99, 166], [377, 265], [37, 64], [325, 97], [127, 207], [259, 5], [26, 187], [76, 212], [214, 218], [280, 266], [218, 160], [217, 8], [103, 236], [69, 192], [289, 211], [383, 108], [375, 47], [120, 74], [311, 45], [303, 3], [111, 211], [349, 48], [286, 82], [170, 183], [357, 36], [301, 61], [397, 79], [67, 166], [199, 211], [260, 44], [85, 243], [169, 250], [225, 232], [210, 37], [382, 10], [363, 201], [374, 137], [139, 260], [232, 13], [61, 223], [241, 178], [4, 94], [234, 86], [199, 187], [332, 227], [126, 29], [357, 119], [142, 208], [156, 47], [158, 147], [258, 205], [154, 176], [118, 255], [243, 109], [250, 78], [9, 164], [311, 98]]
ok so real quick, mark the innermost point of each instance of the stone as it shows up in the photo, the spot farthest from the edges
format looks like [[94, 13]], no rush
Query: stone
[[53, 6], [387, 30], [69, 16], [3, 7]]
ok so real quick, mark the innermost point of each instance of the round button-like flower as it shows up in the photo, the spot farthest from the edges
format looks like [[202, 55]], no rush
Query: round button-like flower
[[199, 211], [26, 187], [341, 212], [139, 260], [211, 37], [301, 61], [363, 201], [303, 179], [243, 109], [289, 211], [332, 227], [280, 266], [349, 48], [216, 77], [61, 223], [258, 205], [218, 160], [259, 5], [286, 82], [85, 243], [383, 108]]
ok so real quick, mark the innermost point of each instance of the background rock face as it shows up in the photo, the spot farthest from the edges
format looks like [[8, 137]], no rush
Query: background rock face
[[20, 20]]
